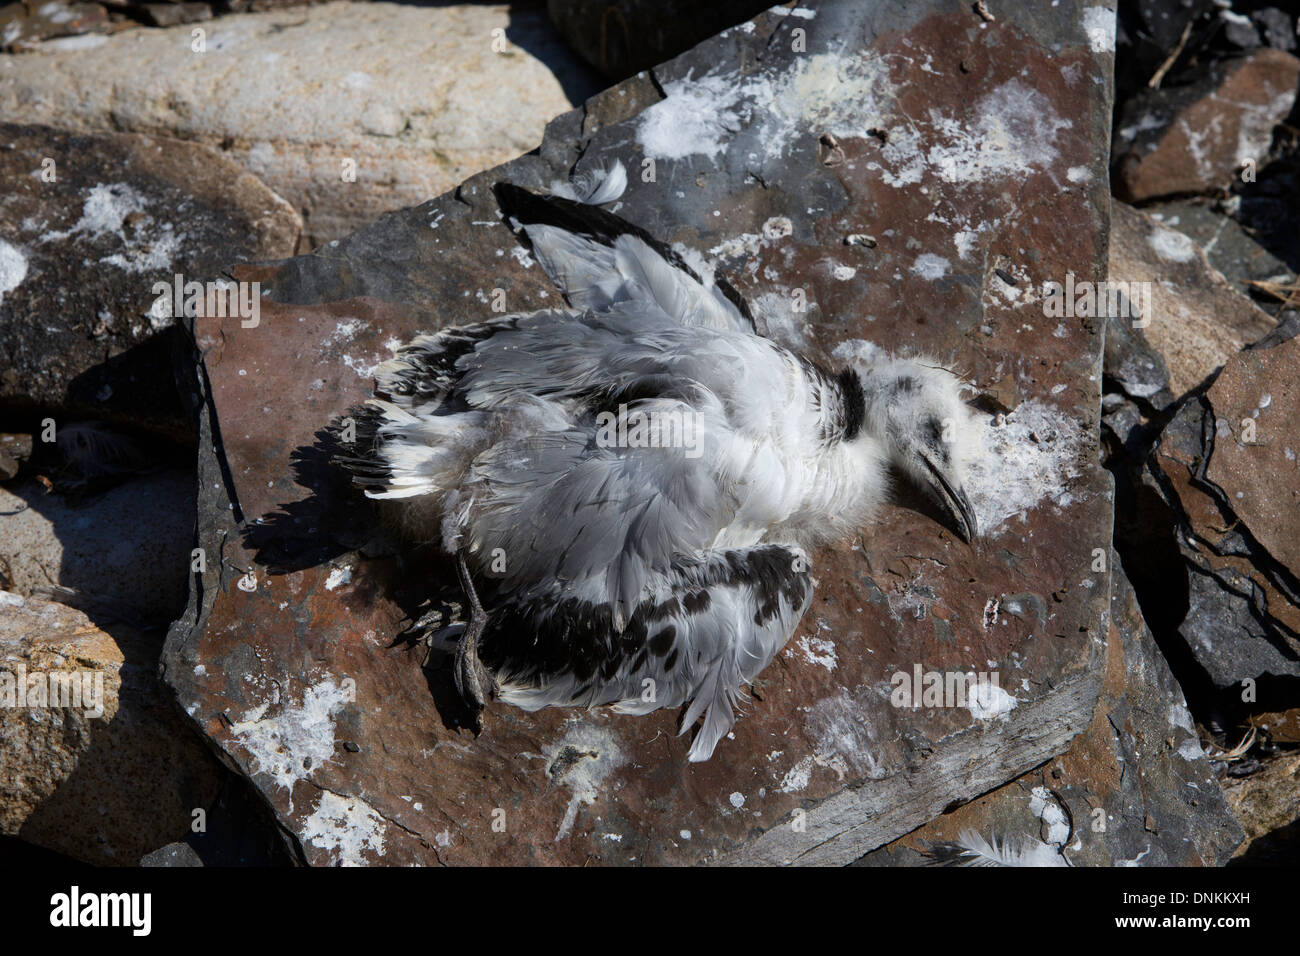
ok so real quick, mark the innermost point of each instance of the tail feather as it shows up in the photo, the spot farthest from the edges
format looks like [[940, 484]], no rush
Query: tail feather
[[716, 700], [368, 468]]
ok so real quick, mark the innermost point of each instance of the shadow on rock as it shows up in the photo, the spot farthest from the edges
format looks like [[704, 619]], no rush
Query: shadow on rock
[[336, 519]]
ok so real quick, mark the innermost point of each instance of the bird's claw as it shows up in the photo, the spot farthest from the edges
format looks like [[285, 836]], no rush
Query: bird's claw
[[474, 681]]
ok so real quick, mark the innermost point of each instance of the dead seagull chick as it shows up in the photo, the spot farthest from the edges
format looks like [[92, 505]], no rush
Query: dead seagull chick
[[631, 486]]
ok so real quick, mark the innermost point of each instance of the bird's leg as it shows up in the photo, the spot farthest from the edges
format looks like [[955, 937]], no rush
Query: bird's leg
[[474, 681]]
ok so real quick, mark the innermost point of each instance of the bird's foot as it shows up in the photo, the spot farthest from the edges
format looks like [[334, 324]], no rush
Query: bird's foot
[[475, 682]]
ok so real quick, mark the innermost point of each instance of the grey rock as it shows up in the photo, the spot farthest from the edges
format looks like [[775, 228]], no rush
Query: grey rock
[[1195, 319], [1278, 27], [1229, 248], [1135, 387], [173, 854], [1225, 467], [1239, 31], [123, 553]]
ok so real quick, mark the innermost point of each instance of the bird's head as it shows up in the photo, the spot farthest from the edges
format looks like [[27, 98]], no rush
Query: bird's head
[[915, 408]]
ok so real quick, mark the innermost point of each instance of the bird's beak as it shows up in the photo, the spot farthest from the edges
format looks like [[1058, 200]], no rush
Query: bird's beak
[[954, 498]]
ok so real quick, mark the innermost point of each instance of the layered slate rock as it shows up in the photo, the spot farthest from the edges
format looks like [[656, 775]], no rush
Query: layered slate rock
[[1135, 390], [1198, 138], [1228, 467], [88, 224], [870, 177], [1135, 789]]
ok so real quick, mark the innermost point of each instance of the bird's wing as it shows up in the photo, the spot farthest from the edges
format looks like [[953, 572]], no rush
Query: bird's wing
[[606, 358], [706, 627], [601, 262], [592, 507], [440, 396]]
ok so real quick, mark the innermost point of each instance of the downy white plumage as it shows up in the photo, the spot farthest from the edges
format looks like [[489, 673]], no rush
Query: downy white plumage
[[605, 566]]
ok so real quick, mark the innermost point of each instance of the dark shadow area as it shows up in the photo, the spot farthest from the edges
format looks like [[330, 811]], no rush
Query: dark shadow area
[[19, 855], [143, 772], [335, 519], [136, 389], [1144, 539], [904, 493], [332, 520], [1281, 847], [1270, 206], [133, 392], [620, 39], [241, 830], [109, 532], [532, 30]]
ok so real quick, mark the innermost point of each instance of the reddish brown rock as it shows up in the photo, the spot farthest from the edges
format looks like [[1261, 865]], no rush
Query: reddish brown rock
[[968, 150], [1197, 139], [1256, 461]]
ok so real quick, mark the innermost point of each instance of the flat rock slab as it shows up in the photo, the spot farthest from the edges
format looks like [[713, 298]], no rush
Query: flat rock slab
[[127, 548], [88, 224], [972, 155], [1135, 789], [1236, 254], [1258, 396]]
